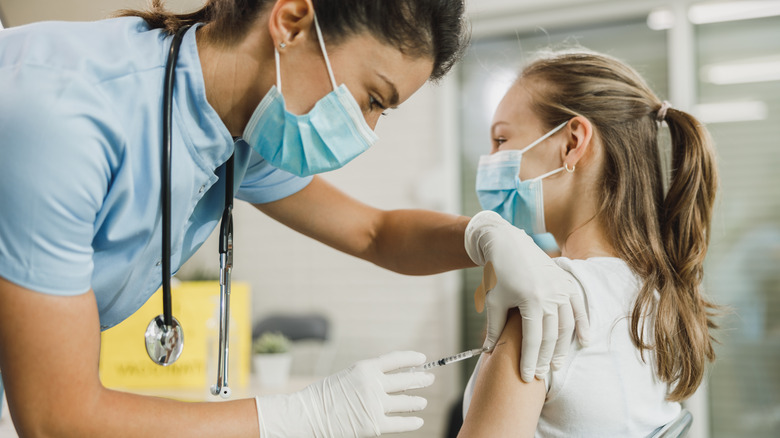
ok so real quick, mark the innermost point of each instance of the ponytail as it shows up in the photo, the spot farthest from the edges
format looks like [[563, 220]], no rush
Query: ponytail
[[682, 341]]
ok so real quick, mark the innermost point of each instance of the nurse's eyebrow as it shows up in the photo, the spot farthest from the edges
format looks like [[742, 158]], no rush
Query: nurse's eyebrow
[[393, 100]]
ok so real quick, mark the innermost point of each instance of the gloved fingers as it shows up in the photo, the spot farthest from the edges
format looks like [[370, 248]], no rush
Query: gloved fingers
[[496, 319], [404, 381], [400, 424], [476, 231], [549, 338], [532, 342], [565, 332], [582, 323], [400, 404], [399, 359]]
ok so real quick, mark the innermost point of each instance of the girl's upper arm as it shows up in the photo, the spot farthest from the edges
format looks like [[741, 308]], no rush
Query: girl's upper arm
[[502, 404]]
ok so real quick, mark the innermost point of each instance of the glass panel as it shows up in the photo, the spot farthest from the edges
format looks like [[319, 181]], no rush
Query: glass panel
[[489, 69], [739, 63]]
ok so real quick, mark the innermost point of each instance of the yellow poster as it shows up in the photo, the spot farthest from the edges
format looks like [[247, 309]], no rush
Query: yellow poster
[[124, 363]]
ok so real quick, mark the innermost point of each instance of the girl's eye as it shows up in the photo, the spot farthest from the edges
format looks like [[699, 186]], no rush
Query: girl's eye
[[499, 141], [373, 105]]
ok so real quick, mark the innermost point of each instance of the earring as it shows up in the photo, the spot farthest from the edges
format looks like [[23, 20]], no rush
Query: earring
[[566, 166], [282, 45]]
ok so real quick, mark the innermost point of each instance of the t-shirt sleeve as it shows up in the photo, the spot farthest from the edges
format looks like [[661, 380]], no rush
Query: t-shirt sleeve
[[54, 175], [263, 183]]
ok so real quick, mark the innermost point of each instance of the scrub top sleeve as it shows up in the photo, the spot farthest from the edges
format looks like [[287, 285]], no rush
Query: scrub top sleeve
[[54, 175], [264, 183]]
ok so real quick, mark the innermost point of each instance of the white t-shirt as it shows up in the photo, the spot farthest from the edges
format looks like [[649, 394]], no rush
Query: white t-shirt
[[604, 390]]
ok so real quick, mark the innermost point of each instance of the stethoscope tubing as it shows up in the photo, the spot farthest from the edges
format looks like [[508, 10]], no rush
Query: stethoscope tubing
[[167, 151], [225, 242]]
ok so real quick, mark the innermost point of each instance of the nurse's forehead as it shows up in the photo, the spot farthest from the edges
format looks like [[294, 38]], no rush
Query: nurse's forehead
[[384, 63]]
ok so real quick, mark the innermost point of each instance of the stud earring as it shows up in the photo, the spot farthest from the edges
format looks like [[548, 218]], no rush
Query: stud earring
[[282, 45]]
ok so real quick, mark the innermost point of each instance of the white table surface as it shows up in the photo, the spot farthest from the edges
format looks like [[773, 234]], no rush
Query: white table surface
[[294, 384]]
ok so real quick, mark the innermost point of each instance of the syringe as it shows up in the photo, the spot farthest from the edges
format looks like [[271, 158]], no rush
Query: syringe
[[450, 359]]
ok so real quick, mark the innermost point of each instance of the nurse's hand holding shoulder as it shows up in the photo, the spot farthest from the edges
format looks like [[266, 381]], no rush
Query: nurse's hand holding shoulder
[[518, 274]]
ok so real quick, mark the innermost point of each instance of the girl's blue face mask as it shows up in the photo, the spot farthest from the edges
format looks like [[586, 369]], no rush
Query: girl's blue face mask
[[328, 137], [499, 188]]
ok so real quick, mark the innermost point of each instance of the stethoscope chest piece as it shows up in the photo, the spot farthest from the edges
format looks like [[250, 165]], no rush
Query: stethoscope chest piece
[[164, 343]]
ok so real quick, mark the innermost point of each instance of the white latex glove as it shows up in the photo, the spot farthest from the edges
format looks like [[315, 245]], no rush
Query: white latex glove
[[517, 273], [352, 403]]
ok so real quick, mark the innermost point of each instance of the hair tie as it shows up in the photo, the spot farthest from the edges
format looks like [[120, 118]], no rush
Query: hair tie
[[661, 115]]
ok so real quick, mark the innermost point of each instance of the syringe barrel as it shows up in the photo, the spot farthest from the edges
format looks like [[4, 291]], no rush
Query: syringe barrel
[[448, 360]]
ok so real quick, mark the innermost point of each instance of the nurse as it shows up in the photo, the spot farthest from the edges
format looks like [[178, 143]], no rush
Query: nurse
[[80, 228]]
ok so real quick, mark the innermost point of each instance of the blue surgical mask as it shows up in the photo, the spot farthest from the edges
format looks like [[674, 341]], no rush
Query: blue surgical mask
[[328, 137], [499, 188]]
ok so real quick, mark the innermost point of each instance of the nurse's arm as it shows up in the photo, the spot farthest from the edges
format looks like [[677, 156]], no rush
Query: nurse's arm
[[502, 404], [414, 242], [49, 347]]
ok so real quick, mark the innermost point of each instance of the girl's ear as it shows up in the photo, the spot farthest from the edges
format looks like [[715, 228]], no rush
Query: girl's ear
[[580, 132], [290, 21]]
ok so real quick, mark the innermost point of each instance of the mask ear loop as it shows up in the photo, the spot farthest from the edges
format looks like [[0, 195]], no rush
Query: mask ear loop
[[550, 173], [278, 63], [541, 139], [321, 40], [544, 137]]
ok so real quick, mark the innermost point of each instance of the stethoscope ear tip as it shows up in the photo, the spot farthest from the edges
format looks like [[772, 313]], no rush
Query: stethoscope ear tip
[[223, 392], [226, 392]]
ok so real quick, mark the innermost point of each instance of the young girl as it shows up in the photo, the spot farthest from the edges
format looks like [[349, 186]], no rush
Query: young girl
[[587, 125]]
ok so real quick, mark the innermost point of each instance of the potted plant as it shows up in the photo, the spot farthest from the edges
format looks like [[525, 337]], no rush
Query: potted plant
[[272, 359]]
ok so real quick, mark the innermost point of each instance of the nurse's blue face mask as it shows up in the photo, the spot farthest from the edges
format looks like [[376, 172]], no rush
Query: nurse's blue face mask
[[499, 187], [328, 137]]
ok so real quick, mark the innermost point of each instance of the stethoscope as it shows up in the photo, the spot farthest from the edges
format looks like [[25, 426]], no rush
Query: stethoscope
[[164, 335]]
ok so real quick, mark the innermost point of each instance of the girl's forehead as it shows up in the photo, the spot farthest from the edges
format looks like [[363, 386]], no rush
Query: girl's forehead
[[515, 107]]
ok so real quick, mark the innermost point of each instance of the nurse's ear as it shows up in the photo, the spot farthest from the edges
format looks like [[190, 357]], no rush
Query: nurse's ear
[[579, 136], [290, 22]]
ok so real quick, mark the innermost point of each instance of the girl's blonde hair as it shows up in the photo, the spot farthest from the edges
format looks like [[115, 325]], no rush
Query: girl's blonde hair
[[663, 239]]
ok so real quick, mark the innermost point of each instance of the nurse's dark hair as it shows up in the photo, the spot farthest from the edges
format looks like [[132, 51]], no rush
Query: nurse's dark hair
[[662, 237], [423, 28]]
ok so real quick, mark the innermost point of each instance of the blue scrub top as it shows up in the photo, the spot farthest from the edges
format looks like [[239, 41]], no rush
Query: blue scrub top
[[80, 157]]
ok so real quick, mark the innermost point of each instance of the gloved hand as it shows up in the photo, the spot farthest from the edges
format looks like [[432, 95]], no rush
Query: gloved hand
[[517, 273], [351, 403]]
